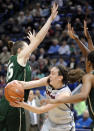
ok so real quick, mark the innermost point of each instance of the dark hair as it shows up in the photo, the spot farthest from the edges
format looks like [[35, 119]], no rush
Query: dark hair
[[64, 72], [70, 76], [14, 46], [90, 58]]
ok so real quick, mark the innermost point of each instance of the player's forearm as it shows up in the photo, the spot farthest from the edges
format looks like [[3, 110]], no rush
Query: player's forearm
[[36, 110], [42, 33], [90, 42], [71, 99], [83, 48], [32, 84], [90, 45], [36, 83], [29, 85]]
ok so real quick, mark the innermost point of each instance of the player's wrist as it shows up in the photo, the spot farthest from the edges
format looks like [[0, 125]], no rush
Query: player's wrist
[[76, 37], [51, 18]]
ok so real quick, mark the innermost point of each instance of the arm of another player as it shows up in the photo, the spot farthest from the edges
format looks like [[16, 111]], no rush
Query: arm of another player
[[36, 40], [35, 83], [83, 48], [42, 109], [87, 85], [87, 34]]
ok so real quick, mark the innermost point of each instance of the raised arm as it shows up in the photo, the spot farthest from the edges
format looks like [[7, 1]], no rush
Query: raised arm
[[87, 34], [83, 48], [35, 40]]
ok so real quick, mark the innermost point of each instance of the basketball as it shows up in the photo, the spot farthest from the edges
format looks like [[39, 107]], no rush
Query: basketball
[[14, 91]]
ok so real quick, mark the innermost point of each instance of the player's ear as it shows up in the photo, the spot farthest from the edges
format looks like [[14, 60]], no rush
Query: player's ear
[[19, 50]]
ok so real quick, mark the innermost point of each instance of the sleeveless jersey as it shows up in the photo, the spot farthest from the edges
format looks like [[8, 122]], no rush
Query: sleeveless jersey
[[62, 114], [90, 102], [17, 72]]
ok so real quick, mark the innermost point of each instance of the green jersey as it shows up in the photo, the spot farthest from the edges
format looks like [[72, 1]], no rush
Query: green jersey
[[17, 72], [90, 102]]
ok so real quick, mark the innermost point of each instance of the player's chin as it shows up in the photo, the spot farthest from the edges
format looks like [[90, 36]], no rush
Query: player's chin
[[51, 83]]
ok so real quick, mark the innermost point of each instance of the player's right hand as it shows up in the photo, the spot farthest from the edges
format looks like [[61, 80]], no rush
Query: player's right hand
[[54, 11], [31, 36], [86, 30], [71, 32]]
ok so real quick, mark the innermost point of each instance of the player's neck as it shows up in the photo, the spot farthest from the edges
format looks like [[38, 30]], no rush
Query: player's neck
[[58, 86]]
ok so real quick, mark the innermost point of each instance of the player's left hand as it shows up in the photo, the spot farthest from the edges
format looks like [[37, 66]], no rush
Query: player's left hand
[[31, 36], [86, 30], [71, 32], [54, 11]]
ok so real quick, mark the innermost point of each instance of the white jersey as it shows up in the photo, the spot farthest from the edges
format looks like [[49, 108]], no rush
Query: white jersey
[[61, 117]]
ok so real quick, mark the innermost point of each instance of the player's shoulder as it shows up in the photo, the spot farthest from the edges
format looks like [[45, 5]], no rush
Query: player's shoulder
[[88, 76], [65, 89]]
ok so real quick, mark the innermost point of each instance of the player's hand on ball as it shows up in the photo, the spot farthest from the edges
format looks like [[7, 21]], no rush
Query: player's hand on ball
[[16, 104], [54, 11]]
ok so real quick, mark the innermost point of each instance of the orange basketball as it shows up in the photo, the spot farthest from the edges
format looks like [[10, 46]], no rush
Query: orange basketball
[[14, 91]]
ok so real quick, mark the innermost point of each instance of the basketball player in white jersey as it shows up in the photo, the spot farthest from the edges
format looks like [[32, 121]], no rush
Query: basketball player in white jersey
[[60, 117]]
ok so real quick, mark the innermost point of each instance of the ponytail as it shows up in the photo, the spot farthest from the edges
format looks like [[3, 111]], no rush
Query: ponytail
[[10, 44], [14, 46], [75, 75]]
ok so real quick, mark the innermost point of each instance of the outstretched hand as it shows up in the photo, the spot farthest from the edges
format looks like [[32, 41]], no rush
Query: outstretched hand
[[71, 32], [54, 11], [31, 36], [86, 30]]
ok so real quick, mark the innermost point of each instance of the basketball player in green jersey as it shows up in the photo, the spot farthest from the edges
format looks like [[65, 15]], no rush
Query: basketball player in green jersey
[[19, 69]]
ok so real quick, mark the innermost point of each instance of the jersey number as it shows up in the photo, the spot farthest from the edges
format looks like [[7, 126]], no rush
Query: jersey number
[[9, 72]]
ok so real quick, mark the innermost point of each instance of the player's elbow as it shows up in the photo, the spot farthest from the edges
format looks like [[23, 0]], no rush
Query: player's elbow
[[83, 97]]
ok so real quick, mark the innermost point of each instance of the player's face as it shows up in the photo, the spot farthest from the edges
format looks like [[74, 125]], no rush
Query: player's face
[[54, 77]]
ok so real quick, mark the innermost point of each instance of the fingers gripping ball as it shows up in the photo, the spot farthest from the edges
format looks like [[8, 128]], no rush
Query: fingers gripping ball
[[14, 91]]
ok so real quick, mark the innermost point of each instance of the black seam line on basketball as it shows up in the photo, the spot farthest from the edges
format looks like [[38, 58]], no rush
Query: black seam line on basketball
[[14, 93]]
